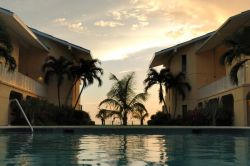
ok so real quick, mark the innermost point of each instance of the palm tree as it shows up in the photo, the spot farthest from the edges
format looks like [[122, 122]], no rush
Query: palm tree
[[239, 46], [238, 43], [103, 114], [116, 114], [6, 49], [160, 78], [59, 68], [178, 85], [140, 114], [235, 69], [78, 72], [87, 72], [122, 98]]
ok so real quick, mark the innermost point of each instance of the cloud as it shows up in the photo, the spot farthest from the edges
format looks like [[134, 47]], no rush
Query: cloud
[[135, 27], [137, 13], [116, 15], [111, 24], [60, 20], [136, 18], [175, 34], [148, 5], [133, 2], [73, 26], [139, 25], [125, 71]]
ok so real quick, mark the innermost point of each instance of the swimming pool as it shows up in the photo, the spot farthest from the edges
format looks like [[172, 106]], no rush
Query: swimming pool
[[123, 149]]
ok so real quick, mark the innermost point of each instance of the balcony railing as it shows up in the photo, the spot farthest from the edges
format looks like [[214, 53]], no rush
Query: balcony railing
[[219, 86], [21, 82]]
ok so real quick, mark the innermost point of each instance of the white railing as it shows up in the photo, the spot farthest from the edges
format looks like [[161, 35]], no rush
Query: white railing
[[219, 86], [21, 109], [21, 81]]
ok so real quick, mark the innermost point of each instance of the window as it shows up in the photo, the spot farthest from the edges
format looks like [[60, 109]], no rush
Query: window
[[184, 63]]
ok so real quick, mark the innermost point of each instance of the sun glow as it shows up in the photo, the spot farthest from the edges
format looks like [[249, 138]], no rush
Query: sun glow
[[124, 52]]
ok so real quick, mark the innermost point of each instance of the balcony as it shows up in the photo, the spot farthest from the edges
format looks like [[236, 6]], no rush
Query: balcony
[[221, 85], [22, 82]]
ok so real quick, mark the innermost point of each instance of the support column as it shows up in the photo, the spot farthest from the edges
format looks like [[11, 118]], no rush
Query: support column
[[4, 108], [240, 118]]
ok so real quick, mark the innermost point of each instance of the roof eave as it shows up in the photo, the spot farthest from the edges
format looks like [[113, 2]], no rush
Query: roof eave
[[24, 26], [174, 49], [30, 32], [68, 44], [218, 31]]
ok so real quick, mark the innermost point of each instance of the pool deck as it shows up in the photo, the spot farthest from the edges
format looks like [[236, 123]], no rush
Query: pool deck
[[129, 129]]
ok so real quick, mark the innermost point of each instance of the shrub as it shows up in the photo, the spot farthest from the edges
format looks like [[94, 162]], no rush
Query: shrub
[[160, 118], [224, 117], [41, 112], [196, 117], [192, 118], [206, 116]]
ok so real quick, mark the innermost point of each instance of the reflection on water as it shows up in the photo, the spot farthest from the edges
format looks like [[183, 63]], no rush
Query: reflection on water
[[122, 150], [67, 149]]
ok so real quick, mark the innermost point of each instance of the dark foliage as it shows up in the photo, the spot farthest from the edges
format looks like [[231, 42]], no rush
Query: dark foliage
[[160, 118], [238, 51], [224, 117], [59, 68], [6, 48], [41, 112], [196, 117]]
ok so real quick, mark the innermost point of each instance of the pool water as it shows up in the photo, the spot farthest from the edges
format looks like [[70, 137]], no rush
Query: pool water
[[134, 150]]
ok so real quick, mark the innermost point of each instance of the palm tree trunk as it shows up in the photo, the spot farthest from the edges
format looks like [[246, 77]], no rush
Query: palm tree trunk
[[175, 103], [103, 122], [165, 105], [58, 96], [142, 121], [70, 90], [78, 98], [124, 119]]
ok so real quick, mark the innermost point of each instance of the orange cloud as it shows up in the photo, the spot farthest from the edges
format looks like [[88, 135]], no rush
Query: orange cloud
[[73, 26]]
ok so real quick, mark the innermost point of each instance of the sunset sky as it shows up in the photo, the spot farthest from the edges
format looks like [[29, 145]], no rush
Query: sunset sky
[[124, 34]]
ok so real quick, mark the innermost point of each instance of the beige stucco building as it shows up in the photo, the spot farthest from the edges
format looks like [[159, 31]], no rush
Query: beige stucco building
[[199, 59], [30, 49]]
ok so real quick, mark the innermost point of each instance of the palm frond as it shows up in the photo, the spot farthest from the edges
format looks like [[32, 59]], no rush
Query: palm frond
[[110, 103], [6, 48], [48, 75], [181, 91], [113, 77], [139, 107], [139, 97], [139, 111], [11, 63], [104, 113], [234, 71], [161, 96], [226, 58], [238, 44]]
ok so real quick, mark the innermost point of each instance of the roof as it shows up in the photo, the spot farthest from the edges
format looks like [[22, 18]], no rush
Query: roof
[[63, 42], [160, 55], [225, 30], [11, 18], [32, 34]]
